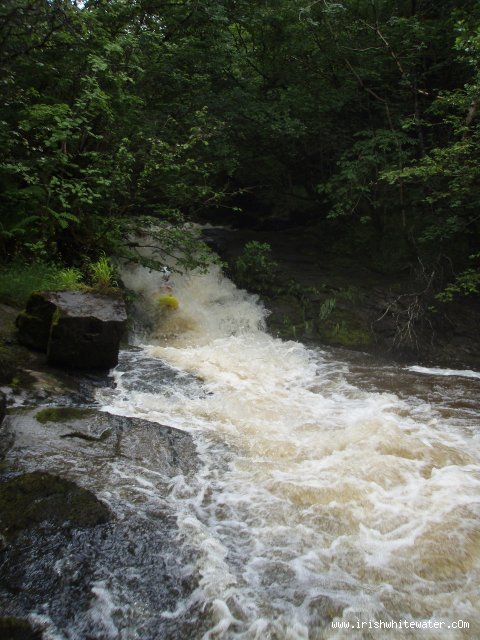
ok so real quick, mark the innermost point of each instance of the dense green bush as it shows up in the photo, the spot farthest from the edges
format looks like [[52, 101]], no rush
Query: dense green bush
[[118, 117], [255, 268]]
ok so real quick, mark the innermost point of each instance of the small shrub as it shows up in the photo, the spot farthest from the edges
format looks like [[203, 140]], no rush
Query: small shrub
[[102, 274], [326, 308], [466, 283], [70, 278], [255, 268]]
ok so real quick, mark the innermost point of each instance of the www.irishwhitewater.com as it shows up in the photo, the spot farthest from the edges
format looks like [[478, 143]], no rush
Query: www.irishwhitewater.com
[[400, 624]]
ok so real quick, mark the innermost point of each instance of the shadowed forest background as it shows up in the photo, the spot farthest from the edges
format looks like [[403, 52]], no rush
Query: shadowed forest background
[[358, 118]]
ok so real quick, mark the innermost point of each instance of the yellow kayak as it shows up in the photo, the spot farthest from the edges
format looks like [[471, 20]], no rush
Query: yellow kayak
[[168, 301]]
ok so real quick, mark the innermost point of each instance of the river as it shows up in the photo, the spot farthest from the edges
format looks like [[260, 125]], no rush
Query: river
[[333, 489]]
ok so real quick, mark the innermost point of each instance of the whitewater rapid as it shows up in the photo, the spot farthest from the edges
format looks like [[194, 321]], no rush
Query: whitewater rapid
[[320, 500]]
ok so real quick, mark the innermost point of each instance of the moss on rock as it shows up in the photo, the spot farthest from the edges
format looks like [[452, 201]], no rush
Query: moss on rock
[[344, 330], [17, 629], [40, 500], [63, 414]]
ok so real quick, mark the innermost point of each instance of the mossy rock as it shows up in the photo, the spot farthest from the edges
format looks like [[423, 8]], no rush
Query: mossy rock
[[341, 329], [63, 414], [17, 629], [33, 323], [8, 364], [39, 500]]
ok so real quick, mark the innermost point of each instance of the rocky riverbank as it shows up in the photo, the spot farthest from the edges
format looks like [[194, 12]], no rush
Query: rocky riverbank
[[316, 293], [67, 533]]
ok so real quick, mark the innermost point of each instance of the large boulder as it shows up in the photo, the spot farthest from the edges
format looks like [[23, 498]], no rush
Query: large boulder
[[76, 329], [33, 324]]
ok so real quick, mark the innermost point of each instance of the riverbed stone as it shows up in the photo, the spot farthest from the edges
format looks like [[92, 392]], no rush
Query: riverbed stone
[[39, 500], [76, 329]]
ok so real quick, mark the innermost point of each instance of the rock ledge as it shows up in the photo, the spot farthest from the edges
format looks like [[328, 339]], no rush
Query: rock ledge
[[76, 329]]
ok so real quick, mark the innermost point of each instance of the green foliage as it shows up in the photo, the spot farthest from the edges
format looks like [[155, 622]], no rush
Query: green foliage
[[102, 274], [19, 280], [255, 268], [466, 283], [446, 179], [326, 308], [69, 278], [122, 123], [355, 186], [329, 305], [88, 142]]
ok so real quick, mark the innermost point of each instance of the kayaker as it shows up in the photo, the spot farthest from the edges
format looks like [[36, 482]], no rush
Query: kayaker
[[166, 299], [167, 284]]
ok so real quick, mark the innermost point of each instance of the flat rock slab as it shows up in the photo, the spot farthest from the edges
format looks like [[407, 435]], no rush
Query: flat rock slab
[[76, 329], [69, 468]]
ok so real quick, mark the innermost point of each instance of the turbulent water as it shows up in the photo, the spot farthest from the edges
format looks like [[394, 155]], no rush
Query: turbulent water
[[309, 495], [332, 490]]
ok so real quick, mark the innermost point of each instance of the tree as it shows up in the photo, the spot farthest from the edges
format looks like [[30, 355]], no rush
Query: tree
[[358, 114], [88, 146]]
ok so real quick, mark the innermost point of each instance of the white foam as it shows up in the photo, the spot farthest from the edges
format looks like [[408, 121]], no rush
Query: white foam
[[315, 499], [435, 371], [102, 609]]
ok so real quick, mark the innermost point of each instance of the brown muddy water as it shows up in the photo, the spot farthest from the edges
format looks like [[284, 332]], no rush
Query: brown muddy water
[[334, 496]]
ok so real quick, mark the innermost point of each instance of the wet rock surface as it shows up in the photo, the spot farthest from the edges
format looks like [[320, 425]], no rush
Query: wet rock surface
[[27, 379], [39, 500], [97, 581], [77, 329], [139, 372], [34, 323], [3, 406], [80, 549], [13, 357], [17, 629]]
